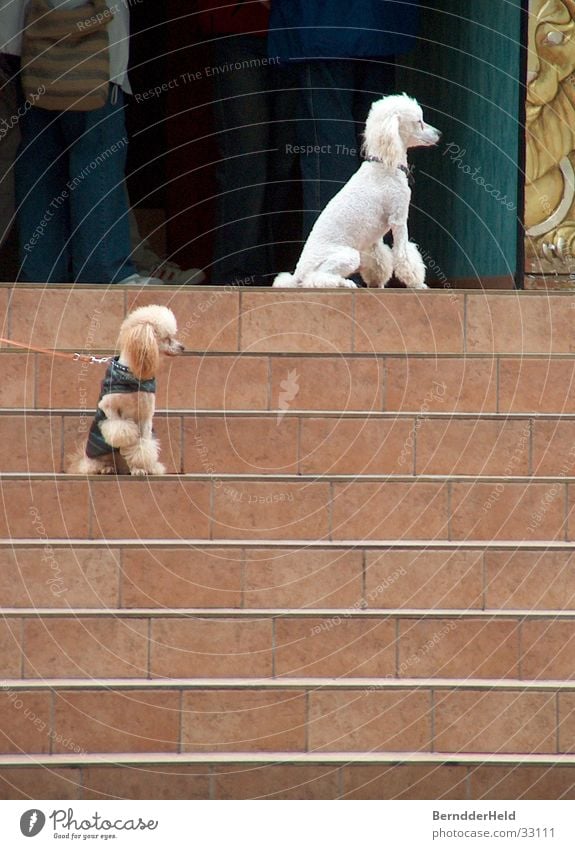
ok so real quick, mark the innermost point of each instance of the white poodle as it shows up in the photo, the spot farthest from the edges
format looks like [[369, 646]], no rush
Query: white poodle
[[121, 438], [348, 235]]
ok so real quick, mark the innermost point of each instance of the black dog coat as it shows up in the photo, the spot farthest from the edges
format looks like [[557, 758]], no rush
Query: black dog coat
[[117, 380]]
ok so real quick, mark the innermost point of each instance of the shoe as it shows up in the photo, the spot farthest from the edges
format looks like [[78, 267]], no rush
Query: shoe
[[138, 280], [167, 272]]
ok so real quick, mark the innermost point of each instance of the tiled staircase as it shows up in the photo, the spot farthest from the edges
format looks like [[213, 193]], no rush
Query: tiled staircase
[[358, 580]]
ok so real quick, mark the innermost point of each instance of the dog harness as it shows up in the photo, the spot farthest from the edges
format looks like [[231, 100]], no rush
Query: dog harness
[[118, 380]]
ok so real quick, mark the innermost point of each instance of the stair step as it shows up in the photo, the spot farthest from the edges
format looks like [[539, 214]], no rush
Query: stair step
[[392, 383], [314, 443], [297, 507], [125, 574], [277, 775], [262, 320], [313, 720], [398, 644]]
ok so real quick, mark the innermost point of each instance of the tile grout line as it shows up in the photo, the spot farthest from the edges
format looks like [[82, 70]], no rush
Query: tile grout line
[[121, 566], [557, 724], [22, 648], [273, 646], [52, 721], [306, 720], [149, 651], [62, 445], [432, 718], [465, 319], [240, 323], [243, 578], [384, 382], [211, 782], [520, 649], [181, 722]]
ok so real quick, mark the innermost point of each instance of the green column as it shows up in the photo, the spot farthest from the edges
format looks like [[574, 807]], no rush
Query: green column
[[466, 73]]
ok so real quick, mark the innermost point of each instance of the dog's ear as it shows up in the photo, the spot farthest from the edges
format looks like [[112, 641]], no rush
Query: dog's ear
[[382, 139], [139, 345]]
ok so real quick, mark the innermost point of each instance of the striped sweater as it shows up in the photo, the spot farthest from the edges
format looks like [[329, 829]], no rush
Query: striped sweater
[[65, 55]]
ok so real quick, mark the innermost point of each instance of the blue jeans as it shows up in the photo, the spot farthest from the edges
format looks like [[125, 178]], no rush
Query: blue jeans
[[255, 125], [72, 204], [336, 96]]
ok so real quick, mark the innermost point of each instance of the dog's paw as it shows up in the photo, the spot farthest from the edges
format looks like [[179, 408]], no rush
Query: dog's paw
[[138, 472]]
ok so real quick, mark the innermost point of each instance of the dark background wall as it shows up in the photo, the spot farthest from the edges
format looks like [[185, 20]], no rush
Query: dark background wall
[[466, 73]]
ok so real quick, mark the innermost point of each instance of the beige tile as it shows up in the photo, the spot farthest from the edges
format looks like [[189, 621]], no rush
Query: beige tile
[[404, 781], [207, 319], [424, 579], [25, 722], [408, 322], [230, 445], [128, 721], [180, 578], [271, 510], [530, 580], [304, 578], [472, 447], [514, 324], [522, 782], [85, 320], [508, 511], [390, 510], [547, 649], [211, 648], [144, 508], [334, 647], [536, 386], [244, 721], [298, 322], [417, 384], [276, 781], [85, 648], [457, 648], [59, 577], [159, 781], [515, 722], [352, 721], [356, 446], [332, 383]]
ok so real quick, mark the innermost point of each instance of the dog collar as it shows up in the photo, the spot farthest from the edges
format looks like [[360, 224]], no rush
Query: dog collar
[[407, 169]]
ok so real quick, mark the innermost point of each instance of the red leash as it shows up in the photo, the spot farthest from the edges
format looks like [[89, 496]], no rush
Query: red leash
[[84, 358]]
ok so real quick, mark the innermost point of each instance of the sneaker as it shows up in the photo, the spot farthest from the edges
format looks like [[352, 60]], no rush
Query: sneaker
[[167, 272], [138, 280], [172, 274]]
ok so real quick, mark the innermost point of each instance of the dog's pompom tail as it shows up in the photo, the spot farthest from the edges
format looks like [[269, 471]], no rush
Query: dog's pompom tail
[[285, 281], [79, 464], [411, 269], [120, 433], [74, 463]]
